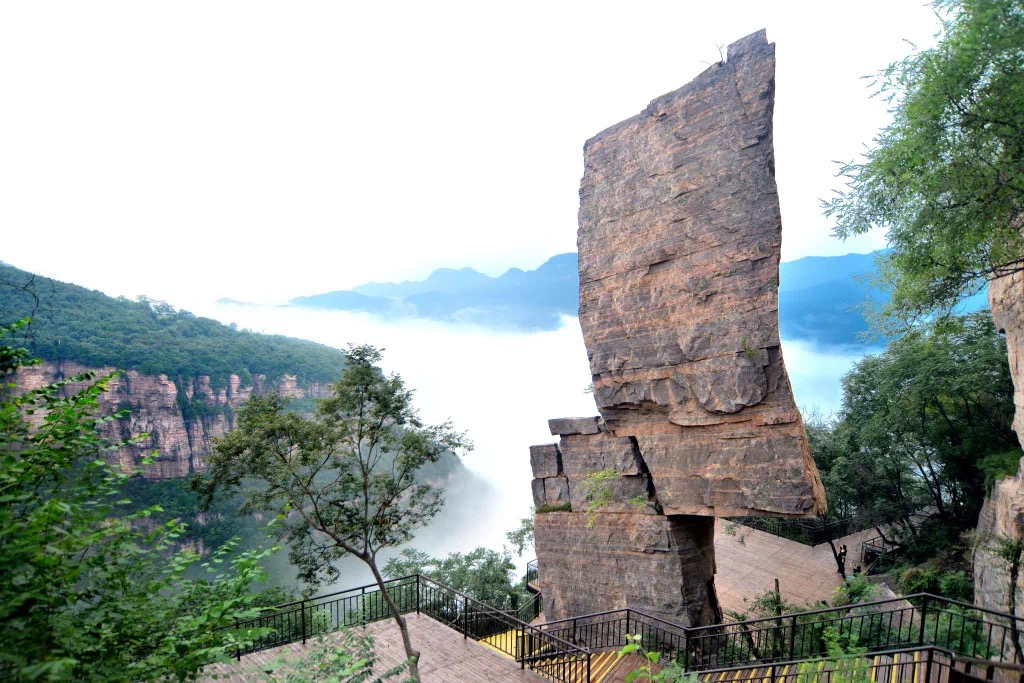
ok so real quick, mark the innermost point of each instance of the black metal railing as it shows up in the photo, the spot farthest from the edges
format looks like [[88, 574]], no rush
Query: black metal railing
[[807, 531], [308, 618], [609, 630], [502, 630], [531, 609], [531, 571], [561, 650], [910, 665], [918, 620], [532, 647], [878, 554]]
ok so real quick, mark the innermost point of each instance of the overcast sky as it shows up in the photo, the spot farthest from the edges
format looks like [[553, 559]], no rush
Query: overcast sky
[[193, 150]]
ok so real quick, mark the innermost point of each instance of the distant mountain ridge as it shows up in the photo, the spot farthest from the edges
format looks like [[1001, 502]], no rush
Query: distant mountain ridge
[[517, 299], [820, 297]]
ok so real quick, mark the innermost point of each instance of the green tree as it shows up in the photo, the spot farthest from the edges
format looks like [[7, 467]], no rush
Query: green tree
[[521, 537], [84, 595], [349, 657], [484, 574], [917, 424], [344, 482], [946, 177]]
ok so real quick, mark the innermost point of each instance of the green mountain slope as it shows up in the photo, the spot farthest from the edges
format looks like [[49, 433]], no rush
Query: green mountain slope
[[77, 324]]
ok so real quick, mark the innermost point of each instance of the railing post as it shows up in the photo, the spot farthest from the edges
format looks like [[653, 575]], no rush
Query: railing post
[[928, 666], [924, 615], [465, 619], [238, 648], [417, 594], [686, 649], [303, 622], [792, 640], [588, 667], [627, 622]]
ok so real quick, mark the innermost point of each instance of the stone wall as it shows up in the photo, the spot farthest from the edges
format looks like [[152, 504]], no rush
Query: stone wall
[[627, 554], [679, 242]]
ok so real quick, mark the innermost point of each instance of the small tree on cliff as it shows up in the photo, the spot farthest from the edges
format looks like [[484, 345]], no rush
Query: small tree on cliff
[[946, 177], [344, 481]]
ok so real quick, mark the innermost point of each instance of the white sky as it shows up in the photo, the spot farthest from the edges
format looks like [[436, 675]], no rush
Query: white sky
[[193, 150]]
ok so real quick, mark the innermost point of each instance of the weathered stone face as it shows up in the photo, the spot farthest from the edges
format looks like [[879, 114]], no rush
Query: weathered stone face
[[679, 240], [679, 245], [183, 443], [1003, 512], [663, 566]]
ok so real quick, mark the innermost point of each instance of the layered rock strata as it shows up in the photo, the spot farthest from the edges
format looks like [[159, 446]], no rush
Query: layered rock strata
[[625, 554], [679, 242], [1003, 512], [181, 417]]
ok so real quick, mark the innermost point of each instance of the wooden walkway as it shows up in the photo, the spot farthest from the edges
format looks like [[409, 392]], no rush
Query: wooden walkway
[[748, 562], [446, 656]]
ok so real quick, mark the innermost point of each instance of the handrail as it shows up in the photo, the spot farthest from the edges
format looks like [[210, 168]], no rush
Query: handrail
[[904, 598], [342, 592], [546, 653], [494, 610], [546, 647], [881, 653], [630, 610]]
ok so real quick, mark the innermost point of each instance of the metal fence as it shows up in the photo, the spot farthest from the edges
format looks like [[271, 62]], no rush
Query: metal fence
[[918, 620], [807, 531], [561, 650], [913, 665], [609, 630], [531, 571], [503, 630]]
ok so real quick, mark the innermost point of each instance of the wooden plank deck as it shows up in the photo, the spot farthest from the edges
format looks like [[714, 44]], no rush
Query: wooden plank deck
[[446, 656]]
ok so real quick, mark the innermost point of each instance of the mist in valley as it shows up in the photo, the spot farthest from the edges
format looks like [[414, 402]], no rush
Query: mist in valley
[[501, 388]]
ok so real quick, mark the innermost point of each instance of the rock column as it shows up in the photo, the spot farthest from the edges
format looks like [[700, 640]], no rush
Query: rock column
[[679, 242]]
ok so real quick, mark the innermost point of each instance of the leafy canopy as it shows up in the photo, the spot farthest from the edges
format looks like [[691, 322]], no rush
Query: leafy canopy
[[918, 426], [344, 480], [85, 595], [71, 323], [483, 574], [946, 177]]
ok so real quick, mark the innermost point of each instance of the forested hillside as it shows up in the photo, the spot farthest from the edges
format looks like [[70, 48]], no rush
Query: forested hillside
[[72, 323]]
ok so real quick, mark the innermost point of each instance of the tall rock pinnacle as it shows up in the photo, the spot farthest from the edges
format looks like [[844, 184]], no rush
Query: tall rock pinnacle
[[679, 243]]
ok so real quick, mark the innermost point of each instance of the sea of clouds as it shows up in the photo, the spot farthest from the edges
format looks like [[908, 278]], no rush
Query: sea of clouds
[[501, 388]]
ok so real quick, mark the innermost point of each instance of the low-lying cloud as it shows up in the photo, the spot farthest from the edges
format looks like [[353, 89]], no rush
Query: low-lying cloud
[[501, 388]]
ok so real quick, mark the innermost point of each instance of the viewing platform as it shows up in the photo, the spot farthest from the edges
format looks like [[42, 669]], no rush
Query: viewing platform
[[447, 656]]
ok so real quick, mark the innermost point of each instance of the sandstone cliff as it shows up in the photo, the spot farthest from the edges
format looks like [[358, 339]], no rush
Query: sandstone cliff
[[679, 243], [1003, 512], [181, 416]]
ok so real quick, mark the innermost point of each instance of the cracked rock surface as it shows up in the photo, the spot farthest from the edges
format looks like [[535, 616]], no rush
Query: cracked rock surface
[[679, 242]]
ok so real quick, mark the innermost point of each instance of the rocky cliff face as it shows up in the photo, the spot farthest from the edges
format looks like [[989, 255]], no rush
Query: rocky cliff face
[[1003, 512], [679, 243], [181, 417]]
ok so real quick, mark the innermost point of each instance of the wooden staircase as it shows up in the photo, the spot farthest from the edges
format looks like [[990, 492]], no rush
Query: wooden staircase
[[605, 666]]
